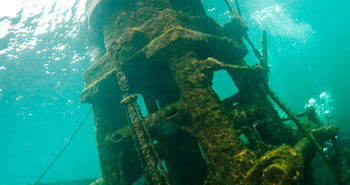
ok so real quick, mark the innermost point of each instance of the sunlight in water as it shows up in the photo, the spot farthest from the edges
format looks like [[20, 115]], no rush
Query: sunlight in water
[[27, 20]]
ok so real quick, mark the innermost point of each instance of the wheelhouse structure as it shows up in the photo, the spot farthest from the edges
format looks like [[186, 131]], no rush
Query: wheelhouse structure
[[158, 121]]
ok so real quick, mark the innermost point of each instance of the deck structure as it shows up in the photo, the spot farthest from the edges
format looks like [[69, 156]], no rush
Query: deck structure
[[166, 51]]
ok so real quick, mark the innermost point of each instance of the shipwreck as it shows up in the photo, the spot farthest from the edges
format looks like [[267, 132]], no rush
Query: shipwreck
[[165, 52]]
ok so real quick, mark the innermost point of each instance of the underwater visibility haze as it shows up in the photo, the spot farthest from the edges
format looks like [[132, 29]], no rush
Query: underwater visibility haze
[[47, 45]]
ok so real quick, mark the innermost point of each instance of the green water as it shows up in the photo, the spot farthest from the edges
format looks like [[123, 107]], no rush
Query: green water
[[46, 45]]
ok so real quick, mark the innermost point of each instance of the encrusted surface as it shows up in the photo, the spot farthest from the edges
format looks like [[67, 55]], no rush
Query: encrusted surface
[[168, 54]]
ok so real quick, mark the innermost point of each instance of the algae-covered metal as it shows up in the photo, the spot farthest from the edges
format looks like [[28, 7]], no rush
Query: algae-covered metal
[[167, 51]]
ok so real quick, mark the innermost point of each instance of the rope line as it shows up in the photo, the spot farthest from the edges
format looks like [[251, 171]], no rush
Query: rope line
[[64, 147]]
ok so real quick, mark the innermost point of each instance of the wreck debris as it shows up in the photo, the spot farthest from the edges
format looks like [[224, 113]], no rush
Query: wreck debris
[[236, 15], [340, 169], [167, 52], [305, 132]]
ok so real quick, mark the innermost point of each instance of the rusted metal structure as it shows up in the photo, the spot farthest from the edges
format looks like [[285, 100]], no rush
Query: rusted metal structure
[[167, 51]]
